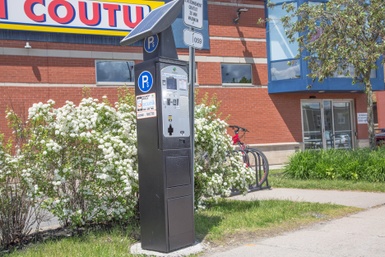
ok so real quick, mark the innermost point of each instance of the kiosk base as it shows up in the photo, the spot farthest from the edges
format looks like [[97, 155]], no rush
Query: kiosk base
[[194, 249]]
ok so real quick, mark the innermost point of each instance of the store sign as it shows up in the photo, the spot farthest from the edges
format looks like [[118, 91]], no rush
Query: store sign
[[104, 17]]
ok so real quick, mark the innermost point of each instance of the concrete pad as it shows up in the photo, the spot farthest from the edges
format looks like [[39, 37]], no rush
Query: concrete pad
[[347, 198], [194, 249]]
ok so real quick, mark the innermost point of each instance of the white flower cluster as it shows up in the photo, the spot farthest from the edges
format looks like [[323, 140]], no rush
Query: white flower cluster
[[82, 159], [86, 159], [4, 163], [217, 169]]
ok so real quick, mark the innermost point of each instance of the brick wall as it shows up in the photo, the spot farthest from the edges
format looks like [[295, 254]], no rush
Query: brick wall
[[270, 118], [274, 118], [34, 69]]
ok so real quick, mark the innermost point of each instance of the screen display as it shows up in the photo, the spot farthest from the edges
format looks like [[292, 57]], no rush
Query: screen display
[[171, 83]]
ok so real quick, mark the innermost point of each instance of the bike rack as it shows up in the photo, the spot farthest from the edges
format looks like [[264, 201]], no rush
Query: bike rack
[[257, 161], [254, 158]]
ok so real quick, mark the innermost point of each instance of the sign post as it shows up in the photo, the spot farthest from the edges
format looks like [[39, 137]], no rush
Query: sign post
[[193, 18]]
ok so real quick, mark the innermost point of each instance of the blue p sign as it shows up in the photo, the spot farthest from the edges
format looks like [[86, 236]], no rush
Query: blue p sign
[[151, 43], [145, 81]]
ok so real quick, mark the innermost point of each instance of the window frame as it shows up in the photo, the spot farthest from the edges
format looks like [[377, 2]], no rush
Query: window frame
[[238, 83], [131, 64]]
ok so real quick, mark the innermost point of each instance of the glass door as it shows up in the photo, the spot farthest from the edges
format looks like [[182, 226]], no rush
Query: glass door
[[343, 129], [328, 141], [312, 125], [327, 124]]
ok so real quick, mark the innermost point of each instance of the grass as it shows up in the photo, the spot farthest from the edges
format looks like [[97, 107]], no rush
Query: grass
[[278, 179], [245, 220], [223, 222], [102, 242]]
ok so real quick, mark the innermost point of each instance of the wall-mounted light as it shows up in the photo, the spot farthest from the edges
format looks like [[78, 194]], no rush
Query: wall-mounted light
[[239, 12], [27, 45]]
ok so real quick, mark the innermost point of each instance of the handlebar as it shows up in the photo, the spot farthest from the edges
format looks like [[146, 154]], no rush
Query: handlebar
[[237, 128]]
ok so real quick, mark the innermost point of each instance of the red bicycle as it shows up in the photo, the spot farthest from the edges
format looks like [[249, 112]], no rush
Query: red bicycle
[[253, 158]]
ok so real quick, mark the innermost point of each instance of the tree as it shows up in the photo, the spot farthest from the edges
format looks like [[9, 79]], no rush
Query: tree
[[340, 38]]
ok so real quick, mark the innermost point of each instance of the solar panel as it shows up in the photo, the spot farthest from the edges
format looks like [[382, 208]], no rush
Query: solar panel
[[155, 22]]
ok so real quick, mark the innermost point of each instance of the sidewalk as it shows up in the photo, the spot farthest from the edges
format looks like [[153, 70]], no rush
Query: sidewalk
[[357, 235]]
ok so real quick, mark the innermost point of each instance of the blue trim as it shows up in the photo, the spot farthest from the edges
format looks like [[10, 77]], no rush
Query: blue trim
[[329, 85]]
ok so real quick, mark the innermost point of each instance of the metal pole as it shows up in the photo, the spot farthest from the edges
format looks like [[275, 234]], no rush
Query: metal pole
[[192, 105]]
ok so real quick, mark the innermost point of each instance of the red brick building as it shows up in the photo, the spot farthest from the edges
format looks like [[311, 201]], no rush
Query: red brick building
[[59, 65]]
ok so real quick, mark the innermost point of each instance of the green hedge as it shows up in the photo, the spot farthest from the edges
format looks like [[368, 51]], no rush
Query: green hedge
[[361, 164]]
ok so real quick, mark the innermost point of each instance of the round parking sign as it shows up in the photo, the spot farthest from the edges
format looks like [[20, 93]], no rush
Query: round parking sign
[[151, 43], [145, 81]]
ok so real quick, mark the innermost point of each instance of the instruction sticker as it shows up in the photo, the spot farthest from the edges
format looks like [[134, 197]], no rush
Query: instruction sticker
[[145, 106]]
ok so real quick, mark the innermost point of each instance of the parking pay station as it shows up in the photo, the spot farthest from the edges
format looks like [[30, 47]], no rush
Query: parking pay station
[[166, 197]]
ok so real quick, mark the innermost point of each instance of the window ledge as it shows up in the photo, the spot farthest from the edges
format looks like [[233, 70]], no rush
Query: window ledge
[[237, 85], [115, 83]]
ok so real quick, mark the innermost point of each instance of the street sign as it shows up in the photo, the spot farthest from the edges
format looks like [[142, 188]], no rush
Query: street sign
[[193, 38], [145, 81], [151, 43], [193, 13]]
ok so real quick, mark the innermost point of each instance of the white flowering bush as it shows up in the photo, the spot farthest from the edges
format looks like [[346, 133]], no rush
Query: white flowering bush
[[218, 169], [83, 160], [18, 205]]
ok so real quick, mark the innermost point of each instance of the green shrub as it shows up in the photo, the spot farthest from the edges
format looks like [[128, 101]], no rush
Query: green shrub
[[360, 164], [79, 162], [19, 204], [82, 159]]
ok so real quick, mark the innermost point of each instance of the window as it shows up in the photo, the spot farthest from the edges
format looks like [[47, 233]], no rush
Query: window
[[114, 72], [349, 71], [282, 52], [280, 46], [236, 73], [283, 70]]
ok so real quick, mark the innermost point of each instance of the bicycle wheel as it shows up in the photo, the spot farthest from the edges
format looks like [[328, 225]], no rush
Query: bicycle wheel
[[258, 162]]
